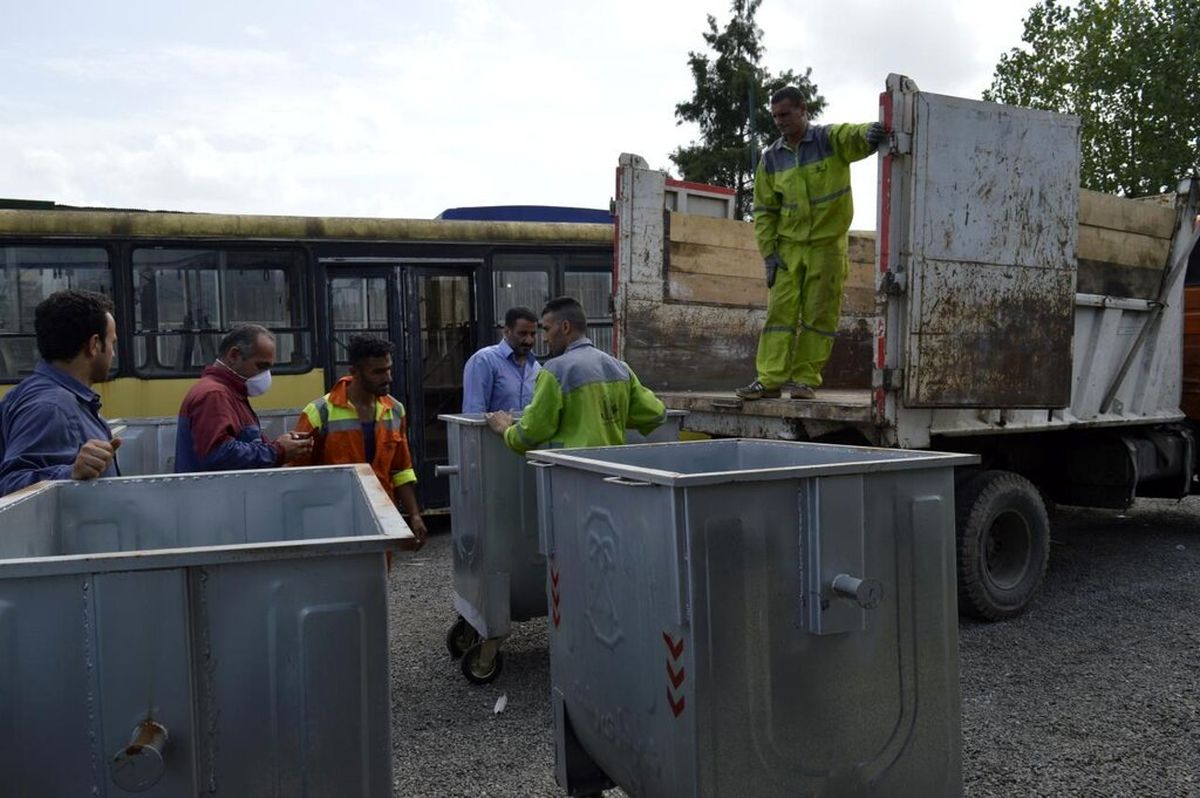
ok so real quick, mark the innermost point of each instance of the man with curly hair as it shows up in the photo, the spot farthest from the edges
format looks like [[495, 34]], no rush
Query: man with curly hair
[[50, 424]]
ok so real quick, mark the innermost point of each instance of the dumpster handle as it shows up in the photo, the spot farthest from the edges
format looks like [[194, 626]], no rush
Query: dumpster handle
[[540, 464], [866, 593], [445, 470], [633, 483], [139, 765]]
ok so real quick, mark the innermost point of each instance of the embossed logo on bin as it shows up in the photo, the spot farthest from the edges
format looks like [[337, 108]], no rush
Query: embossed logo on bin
[[601, 552]]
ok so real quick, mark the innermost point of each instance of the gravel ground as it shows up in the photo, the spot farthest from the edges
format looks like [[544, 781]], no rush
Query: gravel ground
[[1094, 692]]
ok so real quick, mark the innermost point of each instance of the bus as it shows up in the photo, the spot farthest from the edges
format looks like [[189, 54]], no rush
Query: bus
[[438, 289]]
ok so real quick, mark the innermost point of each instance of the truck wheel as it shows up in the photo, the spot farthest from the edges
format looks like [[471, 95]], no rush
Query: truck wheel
[[1003, 545]]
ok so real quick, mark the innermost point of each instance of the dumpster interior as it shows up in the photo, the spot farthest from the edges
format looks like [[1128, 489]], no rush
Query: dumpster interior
[[734, 455], [194, 510]]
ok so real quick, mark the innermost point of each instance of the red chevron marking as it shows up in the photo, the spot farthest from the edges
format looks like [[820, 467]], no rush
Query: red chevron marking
[[676, 707], [676, 678], [557, 617], [554, 577], [675, 649]]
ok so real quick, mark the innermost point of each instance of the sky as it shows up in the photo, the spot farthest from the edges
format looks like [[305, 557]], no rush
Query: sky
[[404, 109]]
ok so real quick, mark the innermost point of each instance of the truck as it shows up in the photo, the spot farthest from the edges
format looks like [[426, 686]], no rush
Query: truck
[[997, 309]]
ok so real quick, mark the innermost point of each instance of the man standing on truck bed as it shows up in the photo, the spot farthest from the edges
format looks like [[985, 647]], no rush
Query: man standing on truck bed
[[802, 213], [583, 397]]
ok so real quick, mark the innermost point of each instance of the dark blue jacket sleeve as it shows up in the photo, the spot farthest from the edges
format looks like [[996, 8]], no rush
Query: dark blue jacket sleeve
[[42, 443], [248, 451]]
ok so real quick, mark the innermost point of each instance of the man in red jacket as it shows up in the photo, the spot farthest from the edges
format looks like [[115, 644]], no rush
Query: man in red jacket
[[218, 430]]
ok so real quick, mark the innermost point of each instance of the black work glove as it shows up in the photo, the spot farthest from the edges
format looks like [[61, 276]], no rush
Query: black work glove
[[771, 264], [876, 135]]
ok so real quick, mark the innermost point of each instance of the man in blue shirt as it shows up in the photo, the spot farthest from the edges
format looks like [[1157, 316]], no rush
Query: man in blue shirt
[[501, 377], [50, 424]]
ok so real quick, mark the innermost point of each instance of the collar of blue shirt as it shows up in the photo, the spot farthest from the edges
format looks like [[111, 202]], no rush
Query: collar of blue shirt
[[64, 379]]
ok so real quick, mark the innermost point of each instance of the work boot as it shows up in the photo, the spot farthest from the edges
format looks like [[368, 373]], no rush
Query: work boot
[[802, 392], [756, 390]]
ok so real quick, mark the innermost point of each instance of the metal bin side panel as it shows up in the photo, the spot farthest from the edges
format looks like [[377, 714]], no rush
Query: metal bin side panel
[[148, 443], [47, 688], [863, 712], [28, 524], [499, 575], [292, 678], [618, 617]]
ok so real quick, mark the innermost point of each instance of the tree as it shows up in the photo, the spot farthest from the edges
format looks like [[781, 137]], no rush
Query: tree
[[1128, 69], [730, 105]]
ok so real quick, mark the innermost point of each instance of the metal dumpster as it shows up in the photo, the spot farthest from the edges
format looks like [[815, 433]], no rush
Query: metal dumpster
[[215, 634], [751, 617], [148, 443], [499, 574]]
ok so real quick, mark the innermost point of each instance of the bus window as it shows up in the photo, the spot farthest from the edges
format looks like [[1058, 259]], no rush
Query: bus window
[[521, 280], [357, 305], [185, 300], [27, 276], [588, 278]]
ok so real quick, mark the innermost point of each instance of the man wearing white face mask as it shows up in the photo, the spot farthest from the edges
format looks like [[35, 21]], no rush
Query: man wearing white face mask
[[218, 430]]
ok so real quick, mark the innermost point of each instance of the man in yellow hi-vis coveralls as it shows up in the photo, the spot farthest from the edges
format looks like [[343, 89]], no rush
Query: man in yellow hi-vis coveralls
[[802, 213]]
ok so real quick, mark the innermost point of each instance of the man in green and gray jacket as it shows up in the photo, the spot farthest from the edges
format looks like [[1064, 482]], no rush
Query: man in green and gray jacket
[[802, 213], [582, 397]]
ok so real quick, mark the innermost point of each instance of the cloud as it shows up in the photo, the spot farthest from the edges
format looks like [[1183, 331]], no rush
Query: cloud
[[167, 64], [406, 110]]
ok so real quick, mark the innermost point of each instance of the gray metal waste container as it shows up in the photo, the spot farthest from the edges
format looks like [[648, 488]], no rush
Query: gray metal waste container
[[216, 634], [148, 443], [499, 574], [749, 617]]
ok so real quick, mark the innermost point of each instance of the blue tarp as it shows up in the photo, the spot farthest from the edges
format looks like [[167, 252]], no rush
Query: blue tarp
[[527, 213]]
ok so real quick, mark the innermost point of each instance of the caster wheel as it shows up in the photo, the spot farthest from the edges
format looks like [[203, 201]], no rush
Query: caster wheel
[[460, 637], [475, 667]]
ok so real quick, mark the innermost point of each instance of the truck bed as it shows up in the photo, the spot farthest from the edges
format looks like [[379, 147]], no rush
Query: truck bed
[[723, 413]]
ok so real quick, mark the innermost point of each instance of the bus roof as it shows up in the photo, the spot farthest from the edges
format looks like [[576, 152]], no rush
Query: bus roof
[[158, 224]]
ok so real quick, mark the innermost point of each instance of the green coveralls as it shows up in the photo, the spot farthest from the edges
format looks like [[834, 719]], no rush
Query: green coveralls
[[585, 397], [802, 211]]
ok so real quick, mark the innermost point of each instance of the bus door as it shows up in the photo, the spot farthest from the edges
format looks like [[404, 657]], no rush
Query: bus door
[[427, 309]]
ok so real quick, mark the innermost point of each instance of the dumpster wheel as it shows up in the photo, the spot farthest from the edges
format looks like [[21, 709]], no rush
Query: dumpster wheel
[[1003, 544], [460, 637], [482, 662]]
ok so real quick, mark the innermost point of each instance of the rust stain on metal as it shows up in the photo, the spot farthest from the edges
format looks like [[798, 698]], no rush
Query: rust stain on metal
[[993, 337]]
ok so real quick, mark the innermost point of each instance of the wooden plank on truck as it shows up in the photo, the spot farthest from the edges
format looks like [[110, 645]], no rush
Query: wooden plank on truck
[[715, 261], [1129, 216], [1124, 248]]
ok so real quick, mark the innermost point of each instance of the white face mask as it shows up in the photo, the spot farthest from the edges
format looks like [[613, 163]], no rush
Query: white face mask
[[259, 383]]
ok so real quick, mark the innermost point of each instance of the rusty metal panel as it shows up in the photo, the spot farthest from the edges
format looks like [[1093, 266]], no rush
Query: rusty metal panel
[[994, 207]]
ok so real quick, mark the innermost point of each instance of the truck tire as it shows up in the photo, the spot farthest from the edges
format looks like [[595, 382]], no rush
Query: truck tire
[[1003, 544]]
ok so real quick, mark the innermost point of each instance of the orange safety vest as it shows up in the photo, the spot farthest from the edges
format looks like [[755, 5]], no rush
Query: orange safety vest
[[338, 437]]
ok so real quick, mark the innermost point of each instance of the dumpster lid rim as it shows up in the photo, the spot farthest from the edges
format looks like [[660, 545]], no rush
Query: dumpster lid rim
[[915, 459]]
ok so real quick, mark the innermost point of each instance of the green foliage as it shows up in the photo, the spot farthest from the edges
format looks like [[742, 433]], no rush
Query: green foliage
[[730, 105], [1129, 70]]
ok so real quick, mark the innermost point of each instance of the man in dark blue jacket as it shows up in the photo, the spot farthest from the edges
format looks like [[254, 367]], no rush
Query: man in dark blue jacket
[[50, 424]]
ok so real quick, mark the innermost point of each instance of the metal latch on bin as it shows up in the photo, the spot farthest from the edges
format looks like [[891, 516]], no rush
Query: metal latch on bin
[[545, 508], [836, 592]]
